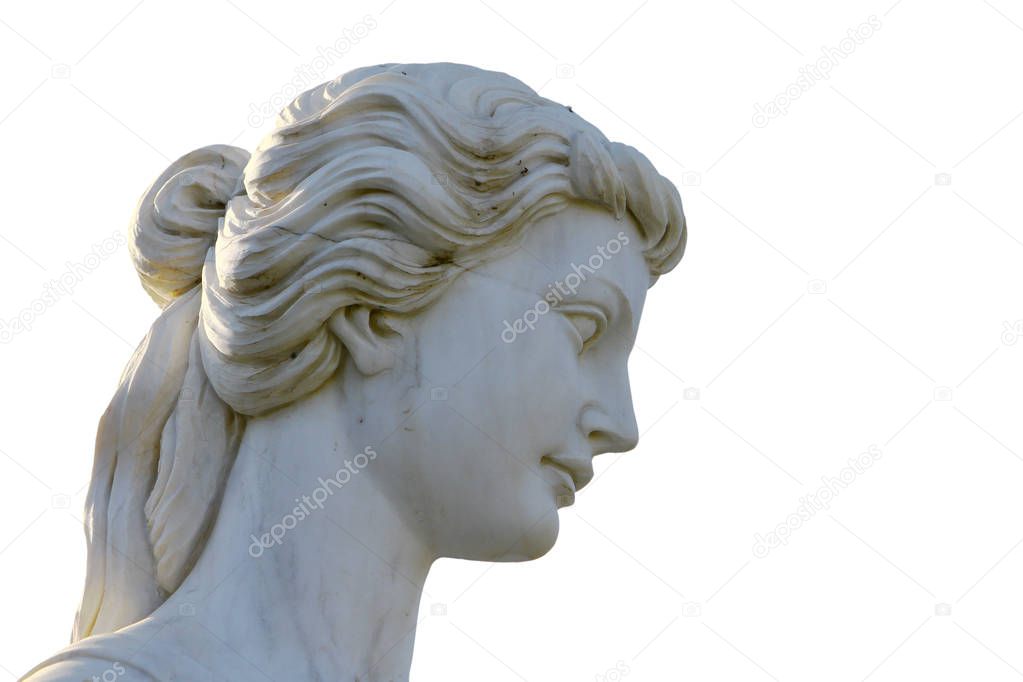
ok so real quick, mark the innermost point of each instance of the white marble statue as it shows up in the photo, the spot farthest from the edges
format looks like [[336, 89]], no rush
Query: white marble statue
[[397, 331]]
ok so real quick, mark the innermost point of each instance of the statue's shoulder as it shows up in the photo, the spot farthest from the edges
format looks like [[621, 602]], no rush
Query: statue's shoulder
[[109, 657], [72, 666], [146, 651]]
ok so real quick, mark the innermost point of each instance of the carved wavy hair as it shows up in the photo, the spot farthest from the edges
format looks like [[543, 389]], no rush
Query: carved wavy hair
[[372, 192]]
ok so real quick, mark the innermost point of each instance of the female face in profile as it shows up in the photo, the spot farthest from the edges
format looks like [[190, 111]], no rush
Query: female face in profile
[[398, 331]]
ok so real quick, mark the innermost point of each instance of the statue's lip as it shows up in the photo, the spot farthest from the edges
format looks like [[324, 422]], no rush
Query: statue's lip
[[579, 470]]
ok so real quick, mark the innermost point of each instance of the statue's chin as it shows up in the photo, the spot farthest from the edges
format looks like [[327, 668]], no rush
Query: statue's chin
[[532, 543]]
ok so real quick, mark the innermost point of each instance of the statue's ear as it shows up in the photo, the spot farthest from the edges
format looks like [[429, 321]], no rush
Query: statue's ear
[[374, 345]]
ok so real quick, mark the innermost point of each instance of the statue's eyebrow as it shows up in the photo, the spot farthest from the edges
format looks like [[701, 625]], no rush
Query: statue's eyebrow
[[608, 288], [499, 278]]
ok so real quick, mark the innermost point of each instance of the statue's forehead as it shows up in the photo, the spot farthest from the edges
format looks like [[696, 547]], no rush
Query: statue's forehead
[[578, 254]]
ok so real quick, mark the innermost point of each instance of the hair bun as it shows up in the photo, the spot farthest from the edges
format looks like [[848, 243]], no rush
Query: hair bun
[[177, 219]]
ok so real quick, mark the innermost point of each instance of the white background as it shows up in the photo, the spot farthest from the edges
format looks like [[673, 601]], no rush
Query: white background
[[853, 279]]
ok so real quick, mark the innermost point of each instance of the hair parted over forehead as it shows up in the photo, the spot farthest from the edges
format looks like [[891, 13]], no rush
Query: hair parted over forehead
[[372, 192], [380, 186]]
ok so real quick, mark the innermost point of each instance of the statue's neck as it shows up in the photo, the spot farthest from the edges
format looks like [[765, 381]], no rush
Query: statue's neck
[[309, 573]]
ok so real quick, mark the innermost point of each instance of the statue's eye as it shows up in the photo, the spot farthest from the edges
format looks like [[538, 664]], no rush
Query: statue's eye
[[588, 322]]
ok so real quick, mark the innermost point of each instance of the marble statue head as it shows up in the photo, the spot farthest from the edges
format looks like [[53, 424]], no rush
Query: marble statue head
[[419, 294]]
